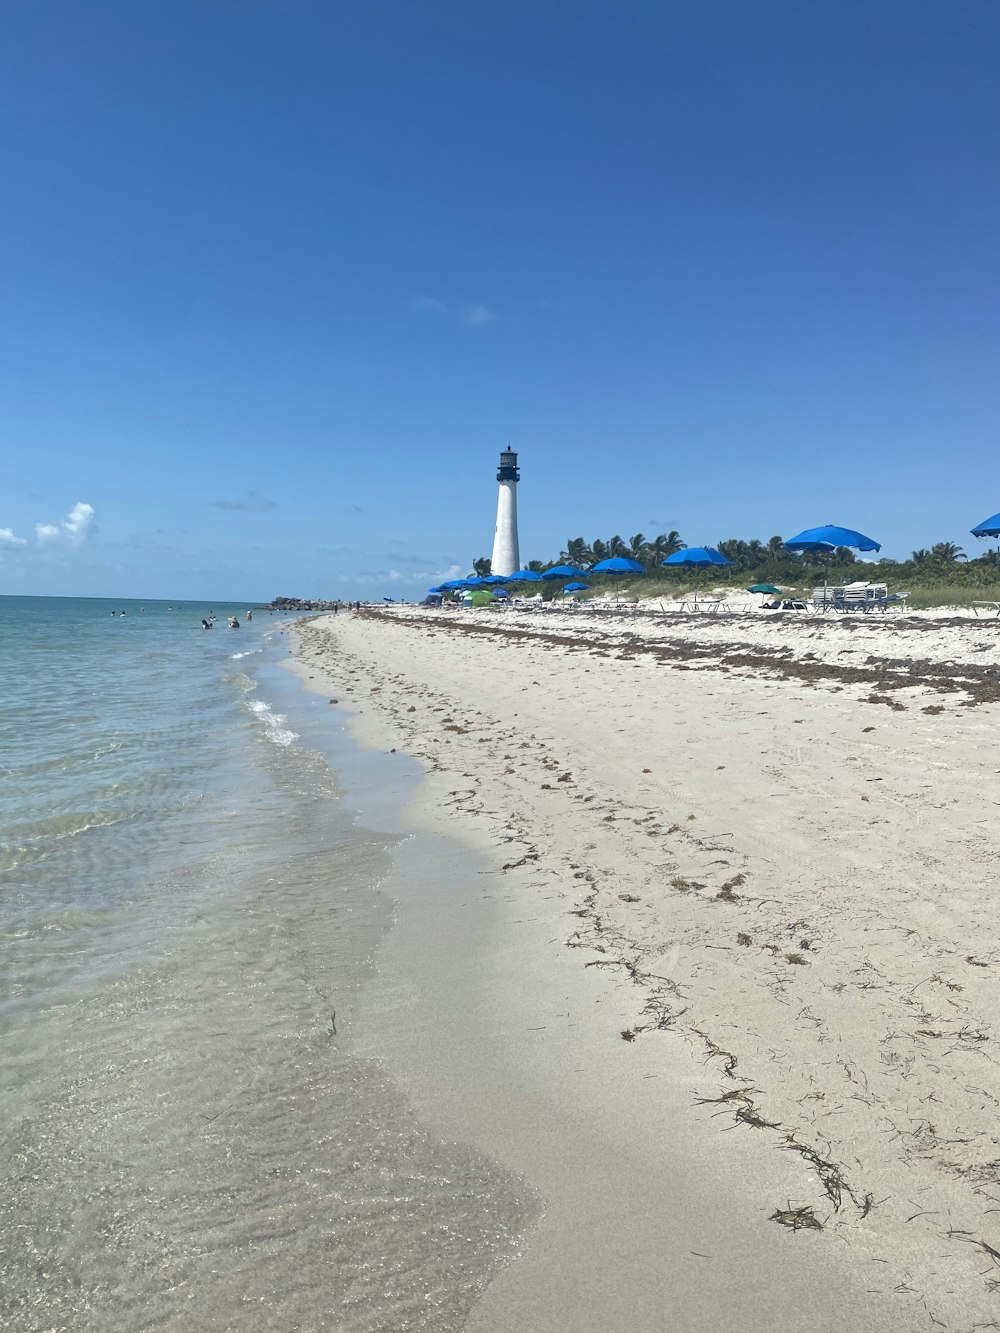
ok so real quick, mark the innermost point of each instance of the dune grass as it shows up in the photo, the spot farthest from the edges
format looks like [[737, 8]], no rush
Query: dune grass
[[950, 594]]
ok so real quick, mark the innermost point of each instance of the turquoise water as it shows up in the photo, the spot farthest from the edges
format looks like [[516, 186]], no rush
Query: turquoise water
[[189, 907], [122, 746]]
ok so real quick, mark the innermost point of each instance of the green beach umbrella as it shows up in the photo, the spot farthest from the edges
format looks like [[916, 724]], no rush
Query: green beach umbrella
[[482, 598], [765, 587]]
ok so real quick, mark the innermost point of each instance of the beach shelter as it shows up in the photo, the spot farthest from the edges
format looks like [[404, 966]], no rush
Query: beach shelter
[[481, 598], [563, 572], [826, 539], [990, 527], [829, 537], [618, 565], [697, 556], [767, 589]]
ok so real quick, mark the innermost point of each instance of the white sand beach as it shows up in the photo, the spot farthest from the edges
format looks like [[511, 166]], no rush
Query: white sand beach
[[696, 936]]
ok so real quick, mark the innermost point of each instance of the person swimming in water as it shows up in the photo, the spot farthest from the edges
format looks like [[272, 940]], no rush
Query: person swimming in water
[[206, 624], [233, 623]]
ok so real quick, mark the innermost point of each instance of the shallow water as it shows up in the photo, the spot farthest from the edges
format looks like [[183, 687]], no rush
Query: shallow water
[[189, 906]]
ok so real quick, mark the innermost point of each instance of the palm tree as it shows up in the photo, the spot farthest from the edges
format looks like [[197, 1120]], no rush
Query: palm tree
[[536, 566], [482, 566], [756, 551], [947, 553], [577, 553], [617, 546], [736, 551], [599, 550], [921, 557], [775, 547], [638, 548], [667, 543]]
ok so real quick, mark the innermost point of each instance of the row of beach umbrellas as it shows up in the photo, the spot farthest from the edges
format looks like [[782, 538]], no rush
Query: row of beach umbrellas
[[822, 540], [816, 541]]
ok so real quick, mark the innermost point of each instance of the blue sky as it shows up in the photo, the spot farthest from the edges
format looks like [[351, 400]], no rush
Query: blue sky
[[279, 280]]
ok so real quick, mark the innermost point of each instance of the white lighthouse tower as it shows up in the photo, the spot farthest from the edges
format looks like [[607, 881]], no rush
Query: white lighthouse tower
[[505, 553]]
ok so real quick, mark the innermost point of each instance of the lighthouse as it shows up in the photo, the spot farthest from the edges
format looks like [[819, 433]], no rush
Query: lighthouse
[[505, 554]]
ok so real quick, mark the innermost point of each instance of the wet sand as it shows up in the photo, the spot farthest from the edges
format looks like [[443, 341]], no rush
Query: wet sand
[[695, 935]]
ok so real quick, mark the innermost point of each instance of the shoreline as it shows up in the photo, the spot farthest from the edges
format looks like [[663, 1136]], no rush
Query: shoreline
[[542, 784]]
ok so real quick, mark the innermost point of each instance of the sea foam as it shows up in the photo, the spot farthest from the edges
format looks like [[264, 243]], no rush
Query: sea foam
[[274, 727]]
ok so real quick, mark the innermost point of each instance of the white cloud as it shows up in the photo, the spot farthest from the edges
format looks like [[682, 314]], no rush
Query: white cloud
[[9, 538], [374, 578], [430, 304], [472, 316], [253, 503], [78, 521], [74, 529]]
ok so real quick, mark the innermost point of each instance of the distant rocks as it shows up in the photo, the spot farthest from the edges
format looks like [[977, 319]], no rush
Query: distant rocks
[[300, 604]]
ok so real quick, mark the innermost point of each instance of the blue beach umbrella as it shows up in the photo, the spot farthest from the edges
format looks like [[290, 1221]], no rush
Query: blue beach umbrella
[[576, 587], [990, 527], [497, 578], [830, 536], [812, 548], [826, 539], [618, 564], [697, 555], [526, 576], [562, 572]]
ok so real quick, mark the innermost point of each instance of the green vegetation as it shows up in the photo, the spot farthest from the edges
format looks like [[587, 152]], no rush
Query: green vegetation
[[940, 575]]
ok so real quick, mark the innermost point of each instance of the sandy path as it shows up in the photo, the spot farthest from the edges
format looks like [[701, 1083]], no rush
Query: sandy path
[[784, 883]]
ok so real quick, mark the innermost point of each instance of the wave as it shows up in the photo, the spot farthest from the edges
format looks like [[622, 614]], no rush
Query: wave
[[274, 727], [33, 841]]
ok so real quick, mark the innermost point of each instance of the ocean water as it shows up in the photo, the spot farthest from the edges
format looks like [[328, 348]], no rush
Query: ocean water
[[189, 908]]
